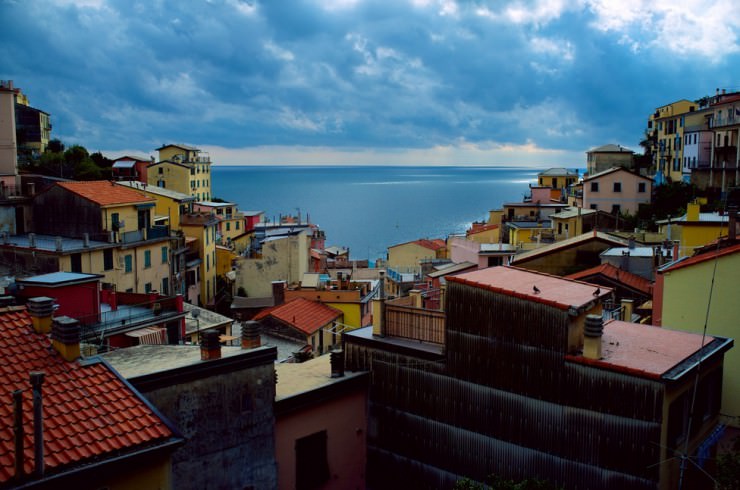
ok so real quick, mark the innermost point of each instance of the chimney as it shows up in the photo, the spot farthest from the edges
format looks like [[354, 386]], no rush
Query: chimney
[[65, 337], [210, 346], [631, 243], [58, 244], [416, 299], [278, 292], [251, 334], [336, 359], [625, 262], [41, 311], [592, 337], [86, 240], [732, 225], [18, 431], [37, 379], [31, 189], [32, 240], [627, 309], [442, 296], [379, 307]]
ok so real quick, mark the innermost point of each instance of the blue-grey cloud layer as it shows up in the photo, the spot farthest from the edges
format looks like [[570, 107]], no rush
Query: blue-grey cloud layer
[[556, 75]]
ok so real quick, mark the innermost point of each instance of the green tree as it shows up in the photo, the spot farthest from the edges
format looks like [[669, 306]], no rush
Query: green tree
[[728, 468], [82, 166]]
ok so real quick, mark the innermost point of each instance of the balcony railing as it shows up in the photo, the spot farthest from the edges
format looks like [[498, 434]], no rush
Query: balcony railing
[[127, 318], [718, 122]]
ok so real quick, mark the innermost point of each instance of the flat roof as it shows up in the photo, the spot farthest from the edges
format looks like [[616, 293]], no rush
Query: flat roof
[[61, 278], [141, 360], [296, 378], [645, 349], [48, 243], [159, 191], [534, 286]]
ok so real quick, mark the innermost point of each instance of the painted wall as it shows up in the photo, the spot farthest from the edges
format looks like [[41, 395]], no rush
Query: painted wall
[[605, 197], [681, 300], [285, 259], [598, 162], [206, 236], [345, 421], [170, 176], [8, 149], [409, 255]]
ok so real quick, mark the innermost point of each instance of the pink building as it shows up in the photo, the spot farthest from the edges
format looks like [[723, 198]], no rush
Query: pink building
[[482, 254], [616, 190], [320, 425]]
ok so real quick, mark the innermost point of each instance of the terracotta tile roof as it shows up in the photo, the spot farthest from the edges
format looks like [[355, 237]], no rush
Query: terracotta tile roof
[[89, 412], [697, 259], [302, 314], [106, 193], [553, 290], [629, 279], [434, 244], [643, 350]]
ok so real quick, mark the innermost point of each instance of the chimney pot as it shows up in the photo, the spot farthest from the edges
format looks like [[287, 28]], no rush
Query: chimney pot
[[41, 311], [65, 336], [251, 334], [592, 332], [210, 345], [336, 359]]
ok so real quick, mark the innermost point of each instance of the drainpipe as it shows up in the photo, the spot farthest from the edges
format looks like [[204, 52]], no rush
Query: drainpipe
[[37, 379]]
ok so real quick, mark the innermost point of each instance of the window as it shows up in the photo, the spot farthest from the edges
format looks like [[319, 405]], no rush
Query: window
[[615, 209], [108, 259], [130, 290], [147, 259], [208, 263], [75, 262], [641, 187], [115, 222], [594, 187], [161, 170], [148, 287], [237, 225], [617, 187], [311, 464], [554, 183], [164, 255], [128, 263], [494, 261], [165, 286], [594, 207], [228, 226]]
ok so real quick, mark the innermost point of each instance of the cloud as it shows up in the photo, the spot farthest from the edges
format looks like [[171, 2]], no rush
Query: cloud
[[431, 79]]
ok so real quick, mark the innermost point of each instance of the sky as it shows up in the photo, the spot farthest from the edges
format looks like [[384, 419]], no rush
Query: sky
[[401, 82]]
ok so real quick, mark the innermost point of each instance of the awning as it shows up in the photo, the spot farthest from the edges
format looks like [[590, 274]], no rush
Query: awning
[[124, 164], [149, 335]]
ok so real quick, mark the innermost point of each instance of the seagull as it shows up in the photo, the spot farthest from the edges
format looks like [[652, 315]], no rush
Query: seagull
[[597, 292], [536, 290]]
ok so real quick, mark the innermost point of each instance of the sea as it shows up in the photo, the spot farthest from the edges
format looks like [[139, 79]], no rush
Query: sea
[[369, 208]]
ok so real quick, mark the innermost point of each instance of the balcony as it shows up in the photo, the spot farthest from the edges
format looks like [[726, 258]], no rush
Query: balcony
[[127, 317], [718, 122]]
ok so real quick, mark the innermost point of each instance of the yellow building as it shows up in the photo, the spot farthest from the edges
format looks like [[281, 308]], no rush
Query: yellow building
[[202, 229], [184, 169], [170, 205], [484, 233], [99, 227], [702, 289], [231, 222], [666, 127], [558, 180], [529, 234], [694, 229], [410, 254]]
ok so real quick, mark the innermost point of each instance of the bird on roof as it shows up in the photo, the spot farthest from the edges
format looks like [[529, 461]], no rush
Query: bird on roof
[[597, 292], [536, 290]]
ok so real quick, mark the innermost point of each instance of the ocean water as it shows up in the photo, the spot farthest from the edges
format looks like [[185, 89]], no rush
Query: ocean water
[[370, 208]]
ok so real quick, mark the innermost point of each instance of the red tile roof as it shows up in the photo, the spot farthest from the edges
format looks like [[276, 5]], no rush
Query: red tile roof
[[89, 412], [302, 314], [643, 350], [434, 244], [697, 259], [629, 279], [553, 290], [106, 193]]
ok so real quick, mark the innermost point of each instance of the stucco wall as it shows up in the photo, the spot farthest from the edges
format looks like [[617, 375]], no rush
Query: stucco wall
[[345, 421], [282, 260], [228, 423]]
